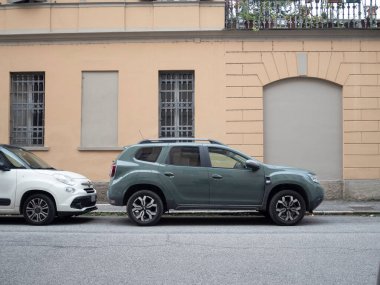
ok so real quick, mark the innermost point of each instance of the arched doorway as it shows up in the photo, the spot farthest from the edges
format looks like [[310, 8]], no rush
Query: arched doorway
[[303, 126]]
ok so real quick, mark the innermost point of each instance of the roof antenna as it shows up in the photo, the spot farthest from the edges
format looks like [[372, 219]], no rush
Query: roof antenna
[[141, 135]]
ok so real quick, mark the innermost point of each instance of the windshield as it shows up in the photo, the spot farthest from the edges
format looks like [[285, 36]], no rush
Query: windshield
[[29, 158]]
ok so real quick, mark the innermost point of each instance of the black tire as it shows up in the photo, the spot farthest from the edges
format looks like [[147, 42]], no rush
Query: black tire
[[38, 210], [287, 208], [145, 208]]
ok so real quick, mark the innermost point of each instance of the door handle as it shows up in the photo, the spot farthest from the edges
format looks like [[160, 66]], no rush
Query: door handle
[[217, 176], [169, 174]]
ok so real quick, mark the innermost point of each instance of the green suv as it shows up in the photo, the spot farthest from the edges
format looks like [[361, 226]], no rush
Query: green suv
[[156, 176]]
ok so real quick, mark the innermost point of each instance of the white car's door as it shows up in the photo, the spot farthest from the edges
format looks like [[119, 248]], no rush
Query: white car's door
[[8, 186]]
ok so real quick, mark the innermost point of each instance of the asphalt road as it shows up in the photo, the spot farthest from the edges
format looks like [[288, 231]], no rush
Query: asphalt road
[[238, 250]]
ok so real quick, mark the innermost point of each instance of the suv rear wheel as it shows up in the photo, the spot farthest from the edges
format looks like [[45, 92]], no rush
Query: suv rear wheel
[[145, 208], [287, 208]]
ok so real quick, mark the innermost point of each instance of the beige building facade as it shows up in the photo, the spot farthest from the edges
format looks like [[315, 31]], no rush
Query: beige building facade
[[307, 98]]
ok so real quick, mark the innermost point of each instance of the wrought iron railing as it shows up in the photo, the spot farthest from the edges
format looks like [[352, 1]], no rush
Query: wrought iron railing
[[302, 14]]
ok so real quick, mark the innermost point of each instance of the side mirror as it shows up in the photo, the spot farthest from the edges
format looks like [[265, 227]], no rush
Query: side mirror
[[252, 164], [3, 167]]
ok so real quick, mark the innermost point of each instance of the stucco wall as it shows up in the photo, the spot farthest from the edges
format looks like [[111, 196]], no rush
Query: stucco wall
[[353, 64], [138, 66], [107, 16], [229, 77]]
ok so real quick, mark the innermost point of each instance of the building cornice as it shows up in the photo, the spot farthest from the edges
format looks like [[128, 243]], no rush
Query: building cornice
[[224, 35]]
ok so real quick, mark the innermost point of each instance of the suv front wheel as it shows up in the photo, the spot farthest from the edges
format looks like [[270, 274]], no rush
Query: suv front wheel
[[145, 208], [287, 208]]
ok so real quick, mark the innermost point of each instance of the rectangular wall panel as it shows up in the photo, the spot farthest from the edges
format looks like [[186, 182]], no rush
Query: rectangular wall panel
[[99, 109]]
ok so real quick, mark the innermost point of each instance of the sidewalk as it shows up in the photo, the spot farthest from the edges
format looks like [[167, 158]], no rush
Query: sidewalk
[[329, 207]]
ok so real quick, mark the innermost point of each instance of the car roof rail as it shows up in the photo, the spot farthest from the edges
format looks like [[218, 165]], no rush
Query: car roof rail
[[173, 140]]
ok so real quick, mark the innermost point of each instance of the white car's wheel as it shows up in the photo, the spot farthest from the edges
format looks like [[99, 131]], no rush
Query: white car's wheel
[[39, 209]]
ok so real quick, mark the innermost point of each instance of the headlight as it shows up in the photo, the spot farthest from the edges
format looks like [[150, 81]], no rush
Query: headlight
[[313, 178], [64, 179], [70, 189]]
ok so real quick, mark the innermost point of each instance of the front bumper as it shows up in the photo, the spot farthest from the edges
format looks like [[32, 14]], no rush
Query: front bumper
[[81, 202], [317, 200], [77, 213], [79, 205], [84, 202]]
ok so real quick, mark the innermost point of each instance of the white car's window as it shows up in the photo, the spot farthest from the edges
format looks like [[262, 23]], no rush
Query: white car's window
[[15, 162], [19, 156]]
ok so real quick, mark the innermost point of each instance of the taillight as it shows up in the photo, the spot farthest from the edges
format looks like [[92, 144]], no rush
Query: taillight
[[113, 169]]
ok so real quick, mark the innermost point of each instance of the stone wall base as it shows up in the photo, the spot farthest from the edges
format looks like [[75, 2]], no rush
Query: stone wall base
[[101, 190], [352, 190], [333, 189], [362, 190]]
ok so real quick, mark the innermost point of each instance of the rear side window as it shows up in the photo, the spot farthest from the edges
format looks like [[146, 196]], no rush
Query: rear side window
[[184, 156], [149, 154]]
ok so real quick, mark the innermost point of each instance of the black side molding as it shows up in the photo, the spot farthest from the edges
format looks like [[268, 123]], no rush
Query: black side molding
[[5, 202]]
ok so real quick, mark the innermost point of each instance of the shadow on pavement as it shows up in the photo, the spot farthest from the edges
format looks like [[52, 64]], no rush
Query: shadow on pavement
[[213, 221], [187, 221], [169, 220], [230, 221], [19, 220]]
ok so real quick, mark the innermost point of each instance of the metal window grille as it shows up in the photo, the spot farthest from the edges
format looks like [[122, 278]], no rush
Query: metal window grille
[[27, 109], [176, 104]]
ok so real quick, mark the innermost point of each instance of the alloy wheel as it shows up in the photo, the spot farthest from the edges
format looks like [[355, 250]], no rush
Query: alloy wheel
[[37, 210], [288, 208], [144, 208]]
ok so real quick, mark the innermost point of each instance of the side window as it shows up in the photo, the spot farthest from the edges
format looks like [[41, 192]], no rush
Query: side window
[[185, 156], [149, 154], [2, 158], [223, 158], [13, 160]]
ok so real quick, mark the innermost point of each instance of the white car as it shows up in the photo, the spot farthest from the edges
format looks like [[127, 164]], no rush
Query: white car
[[29, 186]]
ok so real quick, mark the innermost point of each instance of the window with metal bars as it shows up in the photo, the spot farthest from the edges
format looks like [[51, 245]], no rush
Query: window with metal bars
[[27, 109], [176, 104]]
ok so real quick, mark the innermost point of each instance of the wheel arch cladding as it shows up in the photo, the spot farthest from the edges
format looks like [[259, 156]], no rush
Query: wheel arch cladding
[[29, 193], [133, 189], [294, 187]]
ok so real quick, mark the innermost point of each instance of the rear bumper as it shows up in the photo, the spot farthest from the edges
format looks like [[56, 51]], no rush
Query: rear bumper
[[115, 200]]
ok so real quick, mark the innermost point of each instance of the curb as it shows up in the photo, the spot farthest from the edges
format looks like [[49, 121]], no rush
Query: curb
[[235, 213], [346, 209], [345, 213]]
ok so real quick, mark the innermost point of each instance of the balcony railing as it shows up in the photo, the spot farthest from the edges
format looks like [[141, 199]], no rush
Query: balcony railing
[[302, 14]]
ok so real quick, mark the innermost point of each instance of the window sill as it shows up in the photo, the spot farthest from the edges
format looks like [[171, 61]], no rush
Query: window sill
[[36, 148], [100, 148]]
